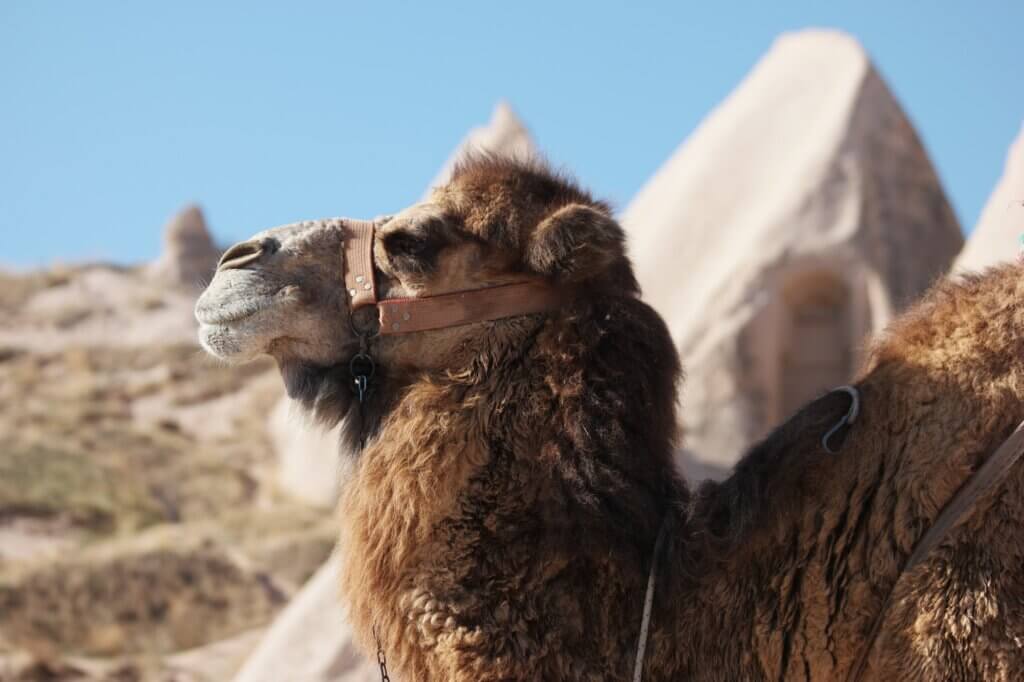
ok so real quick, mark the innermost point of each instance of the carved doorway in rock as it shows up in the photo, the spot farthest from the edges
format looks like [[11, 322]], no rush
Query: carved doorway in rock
[[817, 352]]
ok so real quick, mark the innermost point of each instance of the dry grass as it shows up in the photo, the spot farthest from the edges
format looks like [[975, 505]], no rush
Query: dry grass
[[173, 533], [170, 588], [74, 490], [71, 445]]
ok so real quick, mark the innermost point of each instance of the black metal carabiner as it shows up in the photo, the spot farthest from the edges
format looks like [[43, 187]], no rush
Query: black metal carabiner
[[362, 368]]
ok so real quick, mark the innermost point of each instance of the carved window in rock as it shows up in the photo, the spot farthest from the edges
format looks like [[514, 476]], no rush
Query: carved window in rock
[[817, 353]]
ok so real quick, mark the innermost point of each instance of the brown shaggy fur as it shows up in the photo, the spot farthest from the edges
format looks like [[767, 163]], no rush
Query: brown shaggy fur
[[528, 474], [805, 546], [500, 521]]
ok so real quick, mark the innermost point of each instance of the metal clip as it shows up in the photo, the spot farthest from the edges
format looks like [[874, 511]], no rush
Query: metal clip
[[846, 420], [362, 369]]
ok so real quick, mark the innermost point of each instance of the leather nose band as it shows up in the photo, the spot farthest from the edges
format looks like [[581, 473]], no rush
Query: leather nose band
[[401, 315], [404, 315], [360, 283]]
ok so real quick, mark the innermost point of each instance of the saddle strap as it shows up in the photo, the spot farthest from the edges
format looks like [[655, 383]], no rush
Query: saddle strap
[[645, 620], [958, 509]]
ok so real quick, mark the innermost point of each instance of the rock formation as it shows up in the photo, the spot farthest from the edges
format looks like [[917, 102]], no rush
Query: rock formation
[[797, 219], [996, 237], [189, 255], [308, 456], [310, 641]]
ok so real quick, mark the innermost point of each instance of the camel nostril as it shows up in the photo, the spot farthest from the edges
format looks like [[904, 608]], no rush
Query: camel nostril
[[240, 254], [270, 245]]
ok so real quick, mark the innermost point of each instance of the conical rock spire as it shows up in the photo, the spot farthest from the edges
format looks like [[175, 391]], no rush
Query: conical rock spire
[[793, 222]]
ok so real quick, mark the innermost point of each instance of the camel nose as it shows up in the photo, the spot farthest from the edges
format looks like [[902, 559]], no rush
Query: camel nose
[[246, 252]]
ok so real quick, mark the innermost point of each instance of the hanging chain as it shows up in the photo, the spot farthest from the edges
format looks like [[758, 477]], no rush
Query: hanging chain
[[382, 659]]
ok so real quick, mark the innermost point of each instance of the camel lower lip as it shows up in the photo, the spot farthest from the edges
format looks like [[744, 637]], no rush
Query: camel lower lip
[[218, 319], [208, 339], [226, 343], [229, 314]]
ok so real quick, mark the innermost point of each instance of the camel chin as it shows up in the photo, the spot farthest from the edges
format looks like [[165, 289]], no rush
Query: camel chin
[[232, 342], [238, 318]]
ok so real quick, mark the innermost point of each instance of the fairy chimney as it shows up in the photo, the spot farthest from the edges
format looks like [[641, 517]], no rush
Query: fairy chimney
[[797, 219], [189, 255], [997, 235]]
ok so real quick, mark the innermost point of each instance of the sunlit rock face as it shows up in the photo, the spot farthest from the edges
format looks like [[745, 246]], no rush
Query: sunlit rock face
[[796, 220], [311, 641], [307, 455], [997, 235]]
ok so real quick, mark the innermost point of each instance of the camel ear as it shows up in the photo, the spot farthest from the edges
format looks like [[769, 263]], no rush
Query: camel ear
[[574, 244]]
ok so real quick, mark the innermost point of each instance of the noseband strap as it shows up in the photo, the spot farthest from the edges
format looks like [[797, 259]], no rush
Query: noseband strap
[[454, 309]]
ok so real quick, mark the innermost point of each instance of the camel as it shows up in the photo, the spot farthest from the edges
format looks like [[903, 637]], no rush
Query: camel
[[510, 477]]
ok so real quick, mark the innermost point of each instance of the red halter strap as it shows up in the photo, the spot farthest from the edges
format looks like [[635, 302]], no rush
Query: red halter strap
[[406, 315]]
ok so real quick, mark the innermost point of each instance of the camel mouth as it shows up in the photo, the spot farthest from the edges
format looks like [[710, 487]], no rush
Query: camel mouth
[[229, 343], [234, 330], [227, 314]]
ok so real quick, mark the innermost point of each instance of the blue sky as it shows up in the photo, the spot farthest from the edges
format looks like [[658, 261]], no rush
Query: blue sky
[[116, 113]]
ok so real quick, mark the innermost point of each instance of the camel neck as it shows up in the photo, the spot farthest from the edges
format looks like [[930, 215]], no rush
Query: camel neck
[[543, 472]]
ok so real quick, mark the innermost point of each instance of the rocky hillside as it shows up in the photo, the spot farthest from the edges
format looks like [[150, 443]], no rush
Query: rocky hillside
[[142, 535]]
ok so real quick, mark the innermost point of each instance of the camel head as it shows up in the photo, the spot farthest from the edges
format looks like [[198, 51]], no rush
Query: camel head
[[282, 292]]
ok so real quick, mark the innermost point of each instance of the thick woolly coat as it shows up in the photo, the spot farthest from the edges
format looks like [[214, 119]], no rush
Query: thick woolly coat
[[499, 523]]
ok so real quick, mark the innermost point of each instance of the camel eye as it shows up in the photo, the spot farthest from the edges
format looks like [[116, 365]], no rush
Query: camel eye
[[413, 251], [406, 244]]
